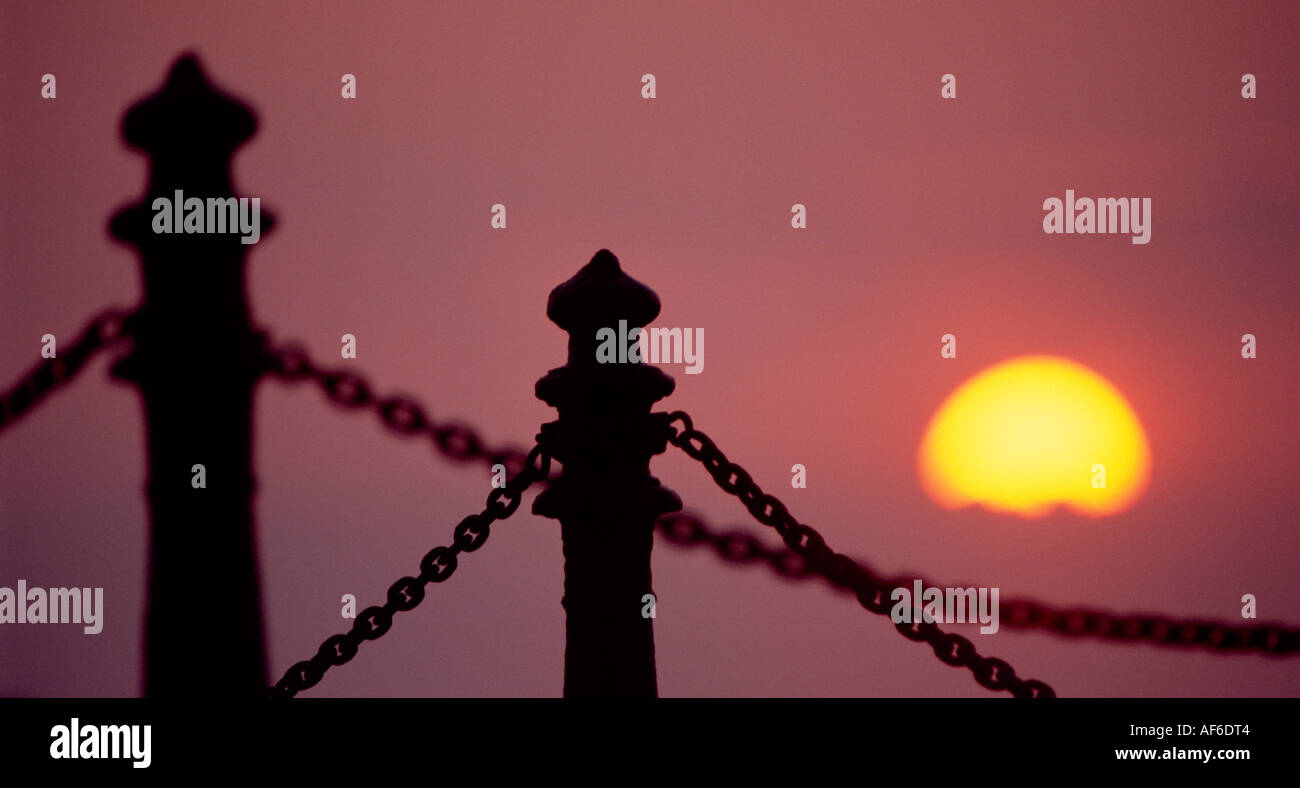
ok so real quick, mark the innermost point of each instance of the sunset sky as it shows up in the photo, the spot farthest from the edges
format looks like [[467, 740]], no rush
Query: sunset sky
[[924, 218]]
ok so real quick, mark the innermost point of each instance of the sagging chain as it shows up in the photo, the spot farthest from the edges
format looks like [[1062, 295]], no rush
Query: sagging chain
[[402, 415], [407, 592], [952, 649], [104, 330], [684, 528]]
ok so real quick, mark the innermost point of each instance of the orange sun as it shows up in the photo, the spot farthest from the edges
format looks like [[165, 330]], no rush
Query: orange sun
[[1032, 433]]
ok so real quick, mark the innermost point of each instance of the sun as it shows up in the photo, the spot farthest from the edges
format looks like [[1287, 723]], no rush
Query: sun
[[1033, 433]]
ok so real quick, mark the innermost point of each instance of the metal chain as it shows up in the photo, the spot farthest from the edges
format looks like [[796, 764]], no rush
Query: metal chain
[[408, 591], [743, 548], [952, 649], [1225, 638], [401, 415], [104, 330]]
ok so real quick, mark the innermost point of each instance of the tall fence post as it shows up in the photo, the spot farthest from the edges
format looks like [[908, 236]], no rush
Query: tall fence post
[[606, 499], [195, 360]]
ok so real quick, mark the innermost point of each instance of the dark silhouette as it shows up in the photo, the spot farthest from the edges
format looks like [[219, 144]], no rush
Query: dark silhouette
[[196, 358], [195, 361], [606, 499]]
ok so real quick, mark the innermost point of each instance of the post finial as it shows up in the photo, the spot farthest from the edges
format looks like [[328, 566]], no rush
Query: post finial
[[189, 129], [599, 295], [188, 113]]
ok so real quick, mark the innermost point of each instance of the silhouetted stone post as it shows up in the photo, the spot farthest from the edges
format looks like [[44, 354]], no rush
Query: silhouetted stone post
[[195, 361], [606, 499]]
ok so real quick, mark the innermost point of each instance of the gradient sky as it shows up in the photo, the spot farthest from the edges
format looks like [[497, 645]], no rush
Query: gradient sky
[[822, 345]]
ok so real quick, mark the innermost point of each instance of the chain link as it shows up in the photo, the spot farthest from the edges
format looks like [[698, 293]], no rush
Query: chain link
[[1161, 630], [952, 649], [743, 548], [401, 415], [104, 330], [405, 594], [685, 528]]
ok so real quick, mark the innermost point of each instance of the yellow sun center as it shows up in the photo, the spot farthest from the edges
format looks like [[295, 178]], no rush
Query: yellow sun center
[[1030, 433]]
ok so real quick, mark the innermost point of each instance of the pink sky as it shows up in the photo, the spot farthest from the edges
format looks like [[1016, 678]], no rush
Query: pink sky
[[924, 217]]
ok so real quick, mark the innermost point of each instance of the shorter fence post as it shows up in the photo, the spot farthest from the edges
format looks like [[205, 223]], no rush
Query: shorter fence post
[[606, 500]]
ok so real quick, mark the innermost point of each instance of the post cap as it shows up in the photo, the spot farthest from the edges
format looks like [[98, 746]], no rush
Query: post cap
[[600, 295], [188, 113]]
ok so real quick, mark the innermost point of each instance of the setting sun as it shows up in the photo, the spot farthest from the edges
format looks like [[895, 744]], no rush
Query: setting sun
[[1033, 432]]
